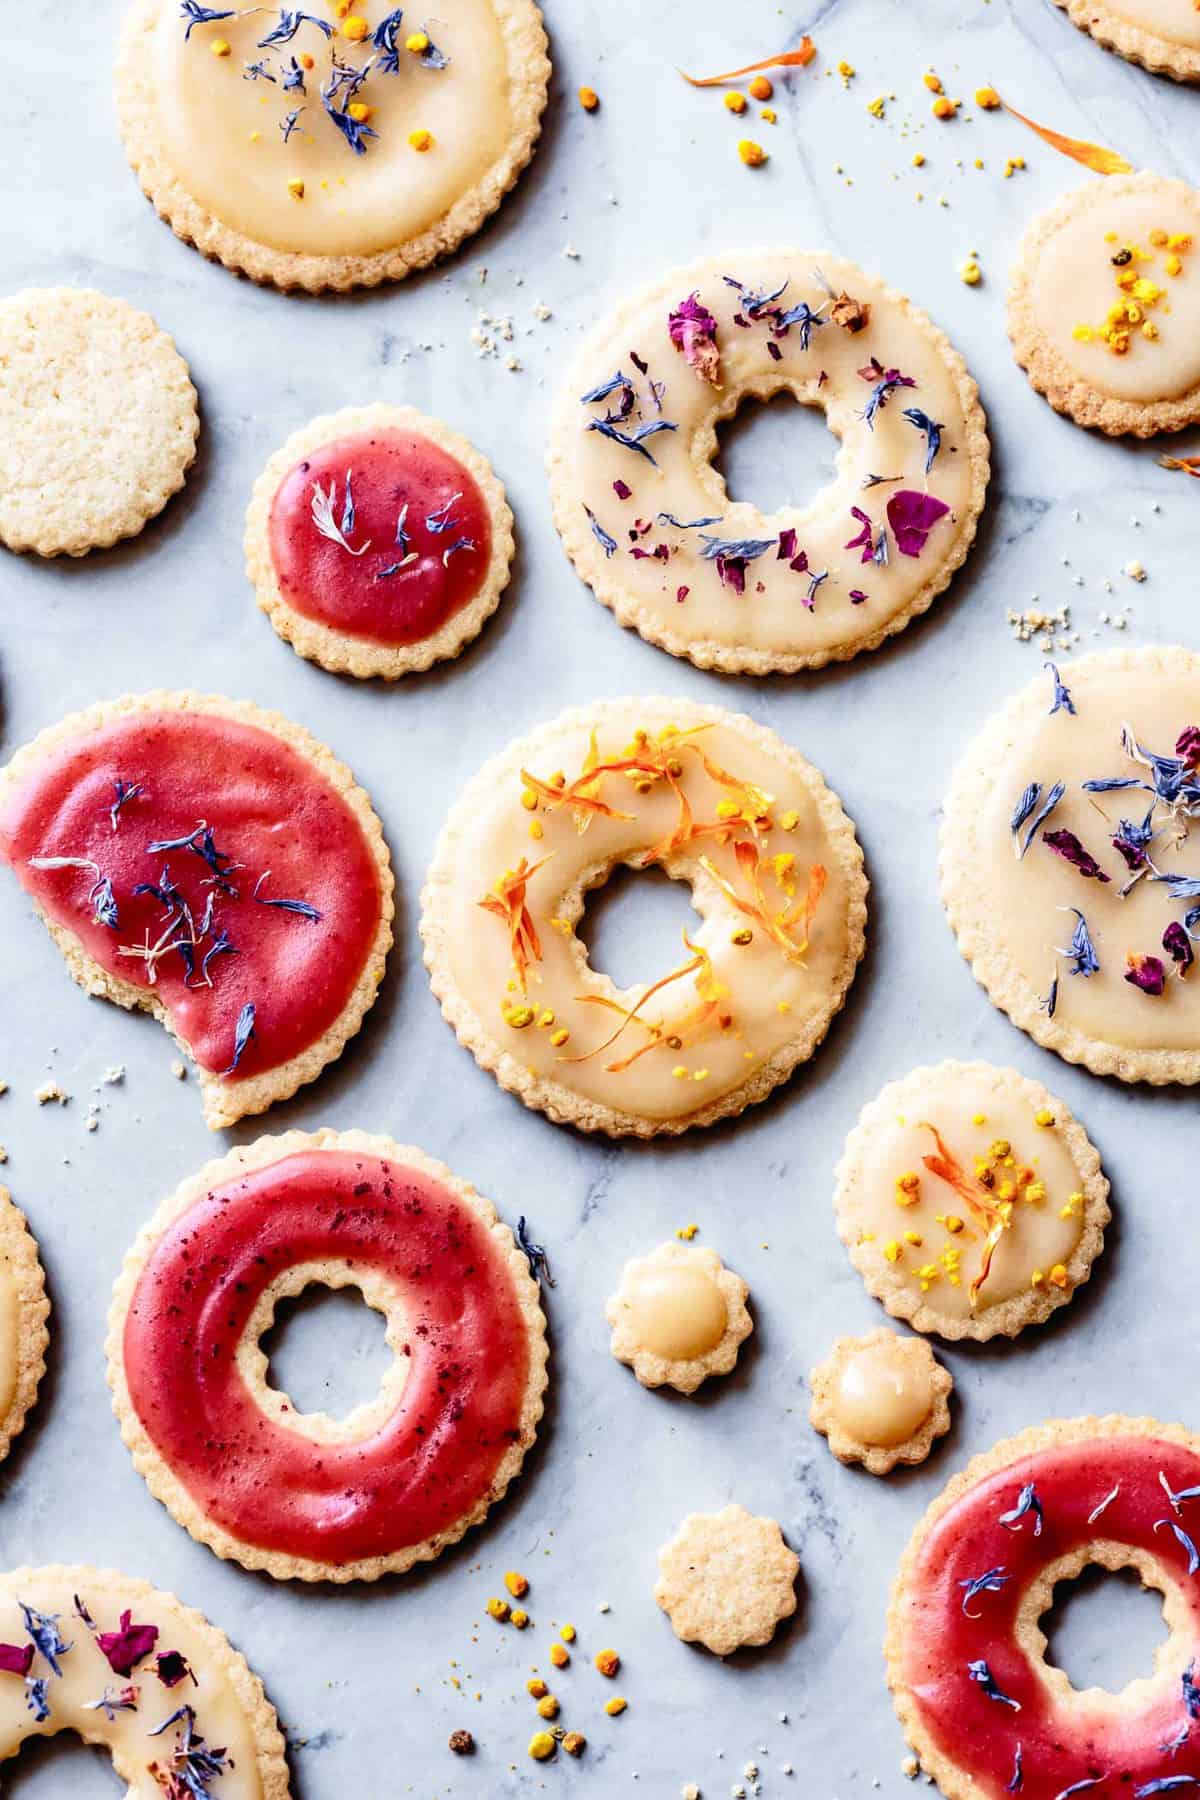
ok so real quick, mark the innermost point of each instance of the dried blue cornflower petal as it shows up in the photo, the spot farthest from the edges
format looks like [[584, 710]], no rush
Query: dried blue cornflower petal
[[802, 317], [1053, 796], [816, 577], [105, 905], [753, 304], [981, 1673], [1017, 1781], [195, 14], [1022, 810], [870, 481], [348, 513], [439, 519], [606, 542], [1062, 694], [353, 130], [1172, 1745], [47, 1639], [193, 1764], [1049, 1002], [111, 1704], [1065, 844], [384, 40], [727, 549], [1112, 784], [431, 57], [243, 1032], [1081, 949], [345, 79], [665, 518], [1180, 887], [1191, 1692], [460, 543], [289, 122], [125, 791], [1080, 1787], [605, 388], [539, 1262], [991, 1582], [289, 24], [222, 945], [36, 1697], [257, 71], [1104, 1504], [1165, 1784], [883, 381], [1174, 777], [634, 439], [931, 429], [1193, 1555], [1027, 1502], [1177, 1495], [1131, 840], [291, 78]]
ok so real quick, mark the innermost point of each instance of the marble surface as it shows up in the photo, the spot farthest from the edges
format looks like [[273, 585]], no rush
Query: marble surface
[[365, 1680]]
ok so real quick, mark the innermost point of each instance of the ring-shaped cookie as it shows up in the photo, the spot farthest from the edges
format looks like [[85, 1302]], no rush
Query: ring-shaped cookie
[[24, 1309], [648, 521], [716, 801], [304, 1495], [984, 1711], [1162, 35]]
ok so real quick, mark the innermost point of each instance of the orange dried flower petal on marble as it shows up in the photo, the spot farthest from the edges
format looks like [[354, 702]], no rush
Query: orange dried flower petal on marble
[[1092, 156], [786, 59], [1190, 465]]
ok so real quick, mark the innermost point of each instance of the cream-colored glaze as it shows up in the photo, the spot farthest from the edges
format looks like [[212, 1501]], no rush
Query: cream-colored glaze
[[1028, 896], [1038, 1238], [10, 1337], [220, 1715], [686, 484], [882, 1395], [1075, 284], [758, 977], [352, 205], [676, 1312], [1175, 21]]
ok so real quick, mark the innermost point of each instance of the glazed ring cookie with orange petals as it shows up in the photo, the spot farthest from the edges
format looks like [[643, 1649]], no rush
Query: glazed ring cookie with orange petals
[[678, 1317], [971, 1202], [378, 541], [648, 521], [134, 1672], [1104, 304], [24, 1309], [338, 152], [714, 800], [1162, 35], [880, 1400], [727, 1579]]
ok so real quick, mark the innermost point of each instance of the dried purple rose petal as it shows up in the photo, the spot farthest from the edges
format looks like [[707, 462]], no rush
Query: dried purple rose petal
[[1146, 973], [912, 517], [16, 1659], [1178, 946], [693, 331], [1065, 844], [127, 1646], [1187, 744]]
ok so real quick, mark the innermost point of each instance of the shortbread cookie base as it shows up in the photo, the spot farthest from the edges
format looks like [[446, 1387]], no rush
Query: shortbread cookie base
[[878, 1459], [684, 1374], [20, 1266], [1133, 42], [727, 1580]]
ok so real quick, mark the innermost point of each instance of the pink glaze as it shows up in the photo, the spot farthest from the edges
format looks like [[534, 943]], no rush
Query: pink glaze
[[350, 592], [1058, 1748], [269, 809], [436, 1454]]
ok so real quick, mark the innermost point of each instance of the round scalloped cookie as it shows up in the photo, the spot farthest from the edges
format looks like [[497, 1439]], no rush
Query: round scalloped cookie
[[303, 1495], [966, 1655], [361, 582], [727, 1579], [971, 1202], [1162, 35], [880, 1400], [648, 521], [24, 1309], [258, 983], [377, 151], [678, 1316], [98, 420], [1101, 979], [716, 801], [134, 1672], [1128, 242]]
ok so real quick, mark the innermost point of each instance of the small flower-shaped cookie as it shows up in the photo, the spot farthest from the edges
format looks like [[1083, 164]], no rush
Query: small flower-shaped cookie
[[678, 1317], [880, 1400], [726, 1579]]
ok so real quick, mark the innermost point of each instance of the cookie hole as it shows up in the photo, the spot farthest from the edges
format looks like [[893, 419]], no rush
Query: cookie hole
[[1104, 1628], [327, 1350], [633, 926], [48, 1768], [775, 453]]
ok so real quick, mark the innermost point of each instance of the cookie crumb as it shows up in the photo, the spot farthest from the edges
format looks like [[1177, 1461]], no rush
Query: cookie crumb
[[50, 1091]]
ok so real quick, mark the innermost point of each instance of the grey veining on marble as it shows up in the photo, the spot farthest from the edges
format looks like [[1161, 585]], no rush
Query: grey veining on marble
[[363, 1678]]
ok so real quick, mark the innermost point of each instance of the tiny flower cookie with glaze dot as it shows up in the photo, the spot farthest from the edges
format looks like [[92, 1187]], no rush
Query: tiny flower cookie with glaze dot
[[727, 1579], [1162, 35], [972, 1203], [24, 1309], [678, 1317], [880, 1400]]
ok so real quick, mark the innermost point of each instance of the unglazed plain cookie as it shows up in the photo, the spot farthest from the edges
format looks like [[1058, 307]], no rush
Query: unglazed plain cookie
[[98, 420], [24, 1309], [378, 541], [715, 801], [216, 866], [142, 1676], [880, 1400], [648, 522], [1104, 304], [305, 1495], [971, 1202], [726, 1579], [966, 1654], [1162, 35], [1067, 868], [335, 148], [678, 1317]]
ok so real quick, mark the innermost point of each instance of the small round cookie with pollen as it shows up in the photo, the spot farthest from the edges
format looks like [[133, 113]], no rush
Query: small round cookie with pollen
[[880, 1400], [971, 1202], [378, 541], [24, 1309], [98, 420], [329, 149], [1162, 35], [678, 1317], [1104, 305], [726, 1580]]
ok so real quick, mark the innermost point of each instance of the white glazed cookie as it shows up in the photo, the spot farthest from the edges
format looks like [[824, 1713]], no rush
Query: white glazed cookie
[[726, 1579], [1104, 304], [678, 1316], [139, 1674], [1067, 869], [715, 801], [98, 420], [971, 1202], [648, 522], [24, 1309], [1162, 35], [335, 148], [880, 1400], [418, 576]]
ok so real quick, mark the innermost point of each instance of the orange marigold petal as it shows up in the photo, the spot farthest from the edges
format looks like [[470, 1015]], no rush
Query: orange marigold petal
[[786, 59], [1092, 156]]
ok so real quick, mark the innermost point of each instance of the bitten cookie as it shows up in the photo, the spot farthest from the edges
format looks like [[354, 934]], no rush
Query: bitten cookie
[[142, 1676], [1162, 35], [971, 1202], [98, 420], [726, 1579], [304, 1495], [329, 152], [216, 866], [678, 1317], [1104, 304], [24, 1309], [378, 541], [880, 1400], [1070, 868]]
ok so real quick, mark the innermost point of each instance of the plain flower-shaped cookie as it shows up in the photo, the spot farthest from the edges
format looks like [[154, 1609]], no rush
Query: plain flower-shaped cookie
[[727, 1579], [880, 1400], [678, 1316]]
